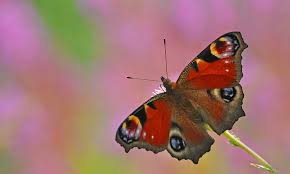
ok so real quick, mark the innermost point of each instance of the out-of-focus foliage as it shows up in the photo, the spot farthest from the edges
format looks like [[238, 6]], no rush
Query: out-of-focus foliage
[[71, 28], [91, 163]]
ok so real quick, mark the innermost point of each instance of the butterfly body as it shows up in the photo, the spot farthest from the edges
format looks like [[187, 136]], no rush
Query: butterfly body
[[206, 92]]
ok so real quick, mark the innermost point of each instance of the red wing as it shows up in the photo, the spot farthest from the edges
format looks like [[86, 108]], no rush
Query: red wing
[[218, 66], [148, 126]]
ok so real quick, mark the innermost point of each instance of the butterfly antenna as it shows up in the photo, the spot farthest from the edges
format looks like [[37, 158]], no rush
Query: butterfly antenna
[[165, 56], [134, 78]]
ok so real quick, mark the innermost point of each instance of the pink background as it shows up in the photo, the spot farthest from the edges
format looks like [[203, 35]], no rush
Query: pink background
[[60, 116]]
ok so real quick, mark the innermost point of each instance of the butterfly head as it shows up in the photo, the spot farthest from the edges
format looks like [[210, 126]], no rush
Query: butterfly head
[[167, 83]]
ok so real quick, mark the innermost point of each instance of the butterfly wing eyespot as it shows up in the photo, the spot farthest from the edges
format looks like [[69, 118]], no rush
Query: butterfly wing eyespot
[[177, 143], [130, 129], [224, 47], [228, 94]]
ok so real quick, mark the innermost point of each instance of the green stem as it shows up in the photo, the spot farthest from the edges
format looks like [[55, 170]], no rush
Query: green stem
[[237, 142], [234, 140]]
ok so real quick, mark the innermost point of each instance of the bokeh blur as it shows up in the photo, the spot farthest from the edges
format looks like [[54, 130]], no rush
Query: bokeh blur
[[63, 90]]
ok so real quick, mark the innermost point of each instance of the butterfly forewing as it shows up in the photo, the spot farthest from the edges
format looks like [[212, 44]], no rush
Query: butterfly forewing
[[148, 126], [217, 66]]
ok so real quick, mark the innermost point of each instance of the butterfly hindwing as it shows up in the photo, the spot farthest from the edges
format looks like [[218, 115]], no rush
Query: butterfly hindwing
[[220, 107], [231, 100], [187, 138], [217, 66]]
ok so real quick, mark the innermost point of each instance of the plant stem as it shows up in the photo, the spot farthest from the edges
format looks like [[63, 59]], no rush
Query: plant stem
[[235, 141], [238, 143]]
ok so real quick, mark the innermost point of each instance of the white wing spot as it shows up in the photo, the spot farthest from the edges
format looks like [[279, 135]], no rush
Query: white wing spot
[[159, 90]]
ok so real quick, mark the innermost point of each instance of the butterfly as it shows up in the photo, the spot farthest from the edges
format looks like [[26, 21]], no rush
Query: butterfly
[[206, 92]]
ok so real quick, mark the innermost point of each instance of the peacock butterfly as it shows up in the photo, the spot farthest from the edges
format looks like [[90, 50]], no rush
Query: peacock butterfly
[[207, 91]]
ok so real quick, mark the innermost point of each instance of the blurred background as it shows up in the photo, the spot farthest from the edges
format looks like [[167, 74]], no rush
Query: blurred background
[[63, 90]]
